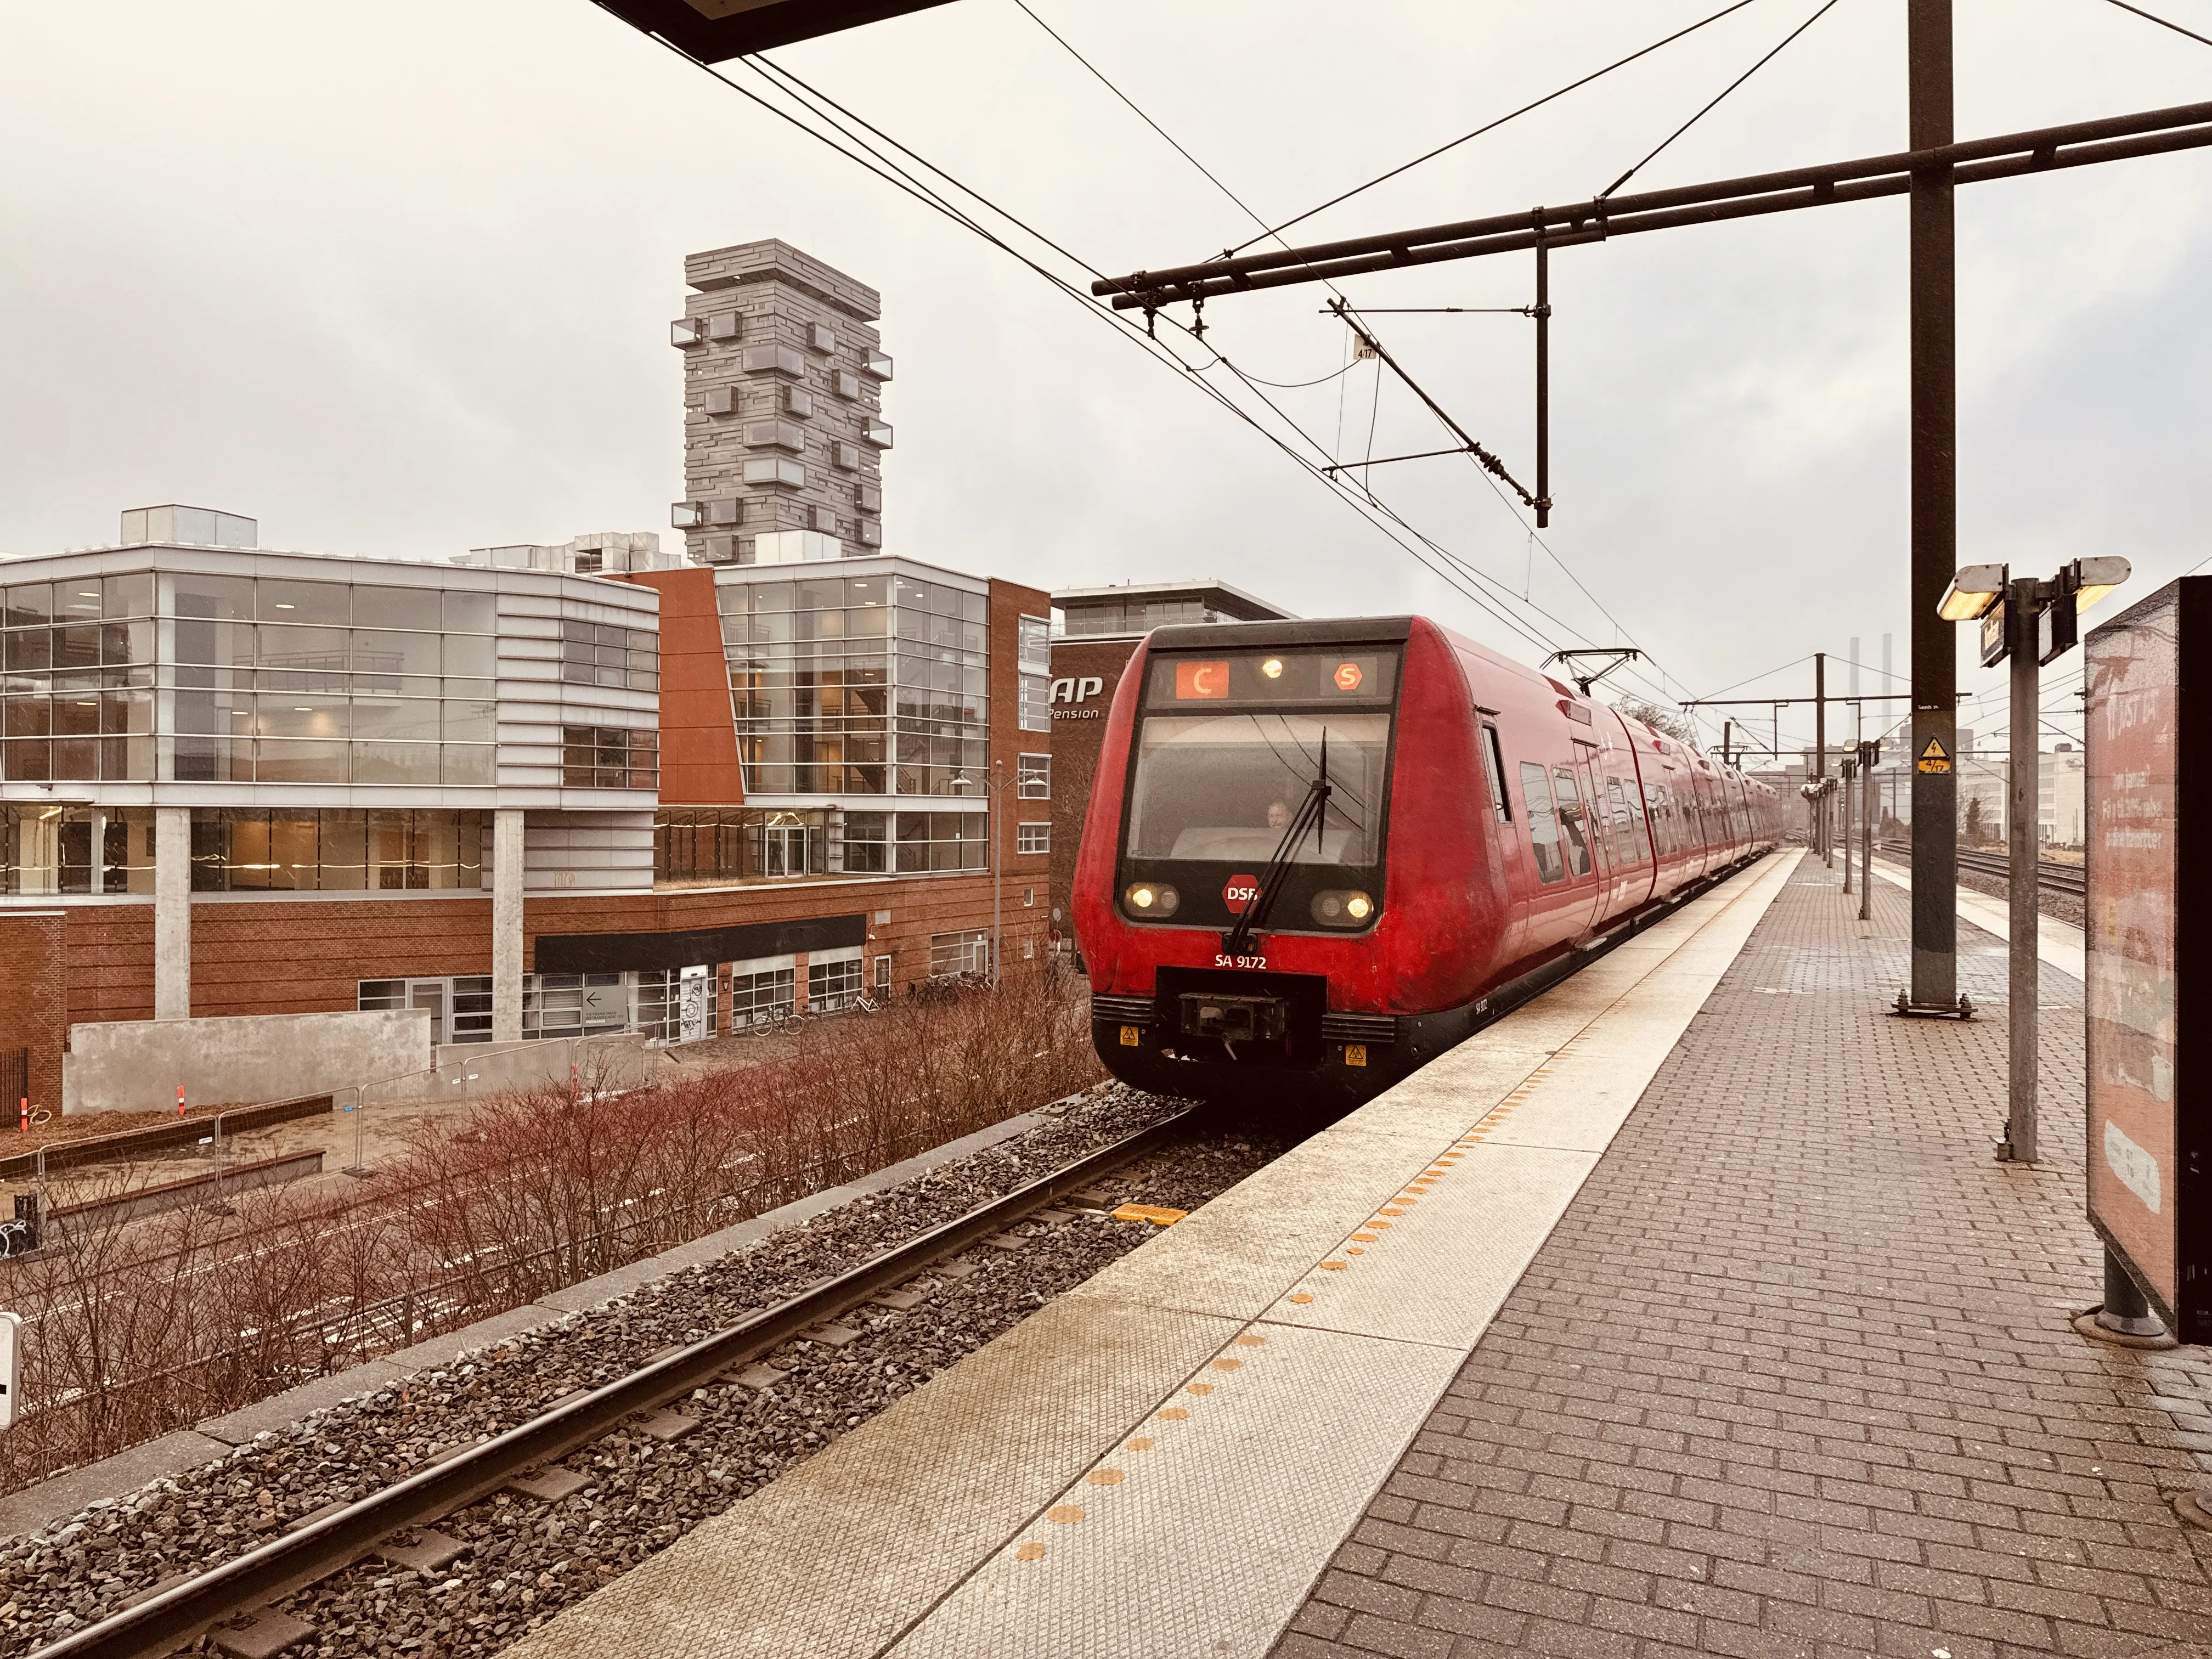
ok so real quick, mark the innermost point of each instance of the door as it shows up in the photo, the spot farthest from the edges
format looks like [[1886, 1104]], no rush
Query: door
[[430, 993], [696, 1005]]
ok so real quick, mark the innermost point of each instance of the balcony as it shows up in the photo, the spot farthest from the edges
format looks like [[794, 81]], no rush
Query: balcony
[[878, 432], [880, 365], [774, 470], [773, 359], [775, 435], [687, 331]]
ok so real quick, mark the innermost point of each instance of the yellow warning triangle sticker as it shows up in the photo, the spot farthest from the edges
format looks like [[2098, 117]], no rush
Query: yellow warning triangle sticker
[[1933, 750]]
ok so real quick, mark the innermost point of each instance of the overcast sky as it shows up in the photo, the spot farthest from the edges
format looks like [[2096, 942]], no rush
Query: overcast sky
[[396, 280]]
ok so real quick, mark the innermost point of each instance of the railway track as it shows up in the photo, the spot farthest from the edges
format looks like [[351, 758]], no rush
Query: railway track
[[2058, 877], [330, 1540]]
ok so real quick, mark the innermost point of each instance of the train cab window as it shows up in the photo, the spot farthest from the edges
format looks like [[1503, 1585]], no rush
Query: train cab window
[[1543, 823], [1493, 763], [1574, 831], [1627, 829]]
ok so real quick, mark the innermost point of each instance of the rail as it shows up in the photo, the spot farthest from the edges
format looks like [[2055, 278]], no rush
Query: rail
[[160, 1624], [2059, 877]]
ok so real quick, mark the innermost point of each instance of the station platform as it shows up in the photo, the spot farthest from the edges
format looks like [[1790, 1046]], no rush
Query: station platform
[[1684, 1310]]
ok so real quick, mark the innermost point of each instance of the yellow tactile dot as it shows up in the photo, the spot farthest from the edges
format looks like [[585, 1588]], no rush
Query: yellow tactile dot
[[1198, 1387], [1389, 1211], [1301, 1298], [1066, 1513], [1251, 1340], [1355, 1250], [1142, 1443], [1172, 1413], [1225, 1364], [1105, 1476], [1367, 1238], [1030, 1552], [1434, 1172], [1336, 1267]]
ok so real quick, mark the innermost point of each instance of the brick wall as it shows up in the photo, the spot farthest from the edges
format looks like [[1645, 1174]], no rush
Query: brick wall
[[33, 968]]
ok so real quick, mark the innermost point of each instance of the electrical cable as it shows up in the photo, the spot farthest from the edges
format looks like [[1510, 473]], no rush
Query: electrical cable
[[2160, 22], [1287, 385], [1141, 116], [1492, 126], [1420, 547], [1825, 10], [1300, 386]]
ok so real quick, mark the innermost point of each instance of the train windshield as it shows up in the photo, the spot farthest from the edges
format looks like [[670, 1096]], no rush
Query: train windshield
[[1222, 788]]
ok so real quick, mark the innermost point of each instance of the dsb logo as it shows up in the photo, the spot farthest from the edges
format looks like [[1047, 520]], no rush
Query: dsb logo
[[1242, 893]]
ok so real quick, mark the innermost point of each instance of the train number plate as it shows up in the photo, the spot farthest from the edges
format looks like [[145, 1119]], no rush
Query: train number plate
[[1223, 960]]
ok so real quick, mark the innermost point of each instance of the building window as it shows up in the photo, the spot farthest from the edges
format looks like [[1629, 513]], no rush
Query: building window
[[922, 843], [1036, 703], [573, 1005], [965, 952], [883, 974], [675, 1004], [595, 653], [76, 849], [459, 1008], [1032, 838], [1036, 635], [610, 757], [251, 849], [1029, 898], [832, 985], [863, 685], [1033, 777], [761, 998], [723, 845]]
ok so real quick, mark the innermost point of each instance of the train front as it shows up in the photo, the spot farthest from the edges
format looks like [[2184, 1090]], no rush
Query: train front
[[1255, 928]]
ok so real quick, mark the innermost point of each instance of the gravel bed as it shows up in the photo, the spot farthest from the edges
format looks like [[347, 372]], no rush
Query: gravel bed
[[2072, 908], [526, 1559]]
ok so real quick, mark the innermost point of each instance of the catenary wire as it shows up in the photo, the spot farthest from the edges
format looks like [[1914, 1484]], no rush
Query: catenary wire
[[1215, 180], [1492, 126], [1825, 10], [1422, 548], [2160, 22]]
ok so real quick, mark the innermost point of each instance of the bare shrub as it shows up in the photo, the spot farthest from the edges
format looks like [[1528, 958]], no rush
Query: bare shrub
[[136, 1328]]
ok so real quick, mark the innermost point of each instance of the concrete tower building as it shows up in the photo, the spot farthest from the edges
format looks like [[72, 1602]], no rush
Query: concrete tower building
[[783, 428]]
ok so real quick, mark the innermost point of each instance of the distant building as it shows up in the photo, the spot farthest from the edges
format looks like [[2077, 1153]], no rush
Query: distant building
[[1097, 632], [531, 791]]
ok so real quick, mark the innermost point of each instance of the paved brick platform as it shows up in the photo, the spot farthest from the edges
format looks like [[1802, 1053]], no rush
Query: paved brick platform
[[1794, 1376]]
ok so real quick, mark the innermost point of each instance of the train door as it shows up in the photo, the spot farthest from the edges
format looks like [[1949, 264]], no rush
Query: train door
[[1563, 900], [1605, 852], [1512, 859]]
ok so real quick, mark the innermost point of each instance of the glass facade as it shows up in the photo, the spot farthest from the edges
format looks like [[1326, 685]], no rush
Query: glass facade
[[715, 846], [76, 849], [254, 849], [76, 680], [865, 685], [1133, 616], [610, 757]]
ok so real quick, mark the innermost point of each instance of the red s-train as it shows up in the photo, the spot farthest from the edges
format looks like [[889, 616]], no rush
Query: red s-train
[[1319, 853]]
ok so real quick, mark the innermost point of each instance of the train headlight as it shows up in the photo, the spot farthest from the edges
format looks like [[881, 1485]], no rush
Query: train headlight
[[1272, 668], [1339, 909], [1151, 898]]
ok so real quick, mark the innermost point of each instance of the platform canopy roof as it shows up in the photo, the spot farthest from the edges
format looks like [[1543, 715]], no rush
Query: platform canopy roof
[[711, 30]]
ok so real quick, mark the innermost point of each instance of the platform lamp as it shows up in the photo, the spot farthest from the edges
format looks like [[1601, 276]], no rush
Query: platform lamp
[[2035, 621]]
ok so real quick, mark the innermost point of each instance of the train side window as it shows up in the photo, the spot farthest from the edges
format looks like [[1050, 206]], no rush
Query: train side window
[[1543, 823], [1662, 832], [1494, 761], [1573, 831], [1627, 833]]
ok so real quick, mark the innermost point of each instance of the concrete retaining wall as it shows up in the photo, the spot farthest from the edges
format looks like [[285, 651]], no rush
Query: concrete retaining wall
[[470, 1071], [137, 1064]]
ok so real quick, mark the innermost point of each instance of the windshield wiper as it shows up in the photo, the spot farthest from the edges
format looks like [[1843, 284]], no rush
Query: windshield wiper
[[1313, 809]]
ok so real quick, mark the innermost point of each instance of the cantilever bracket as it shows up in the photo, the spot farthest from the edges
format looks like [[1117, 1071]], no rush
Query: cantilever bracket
[[1620, 653]]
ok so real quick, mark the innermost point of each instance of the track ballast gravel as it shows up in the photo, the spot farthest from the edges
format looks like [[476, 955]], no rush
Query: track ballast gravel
[[525, 1559]]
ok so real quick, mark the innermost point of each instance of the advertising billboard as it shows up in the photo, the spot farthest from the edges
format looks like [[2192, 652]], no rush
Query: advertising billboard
[[2150, 801]]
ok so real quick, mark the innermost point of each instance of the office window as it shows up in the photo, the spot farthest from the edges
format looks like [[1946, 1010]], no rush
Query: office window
[[761, 998], [883, 974], [1033, 777], [76, 849], [255, 849], [832, 985], [610, 757], [1036, 636], [1036, 702], [1032, 838], [596, 654], [965, 952]]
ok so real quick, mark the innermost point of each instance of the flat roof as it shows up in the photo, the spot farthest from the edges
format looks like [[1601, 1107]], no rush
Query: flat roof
[[1247, 606]]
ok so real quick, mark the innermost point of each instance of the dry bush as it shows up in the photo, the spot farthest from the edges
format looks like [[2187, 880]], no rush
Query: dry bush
[[136, 1328]]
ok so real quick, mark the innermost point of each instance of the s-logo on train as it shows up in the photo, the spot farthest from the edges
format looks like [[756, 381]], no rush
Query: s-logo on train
[[1319, 853]]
